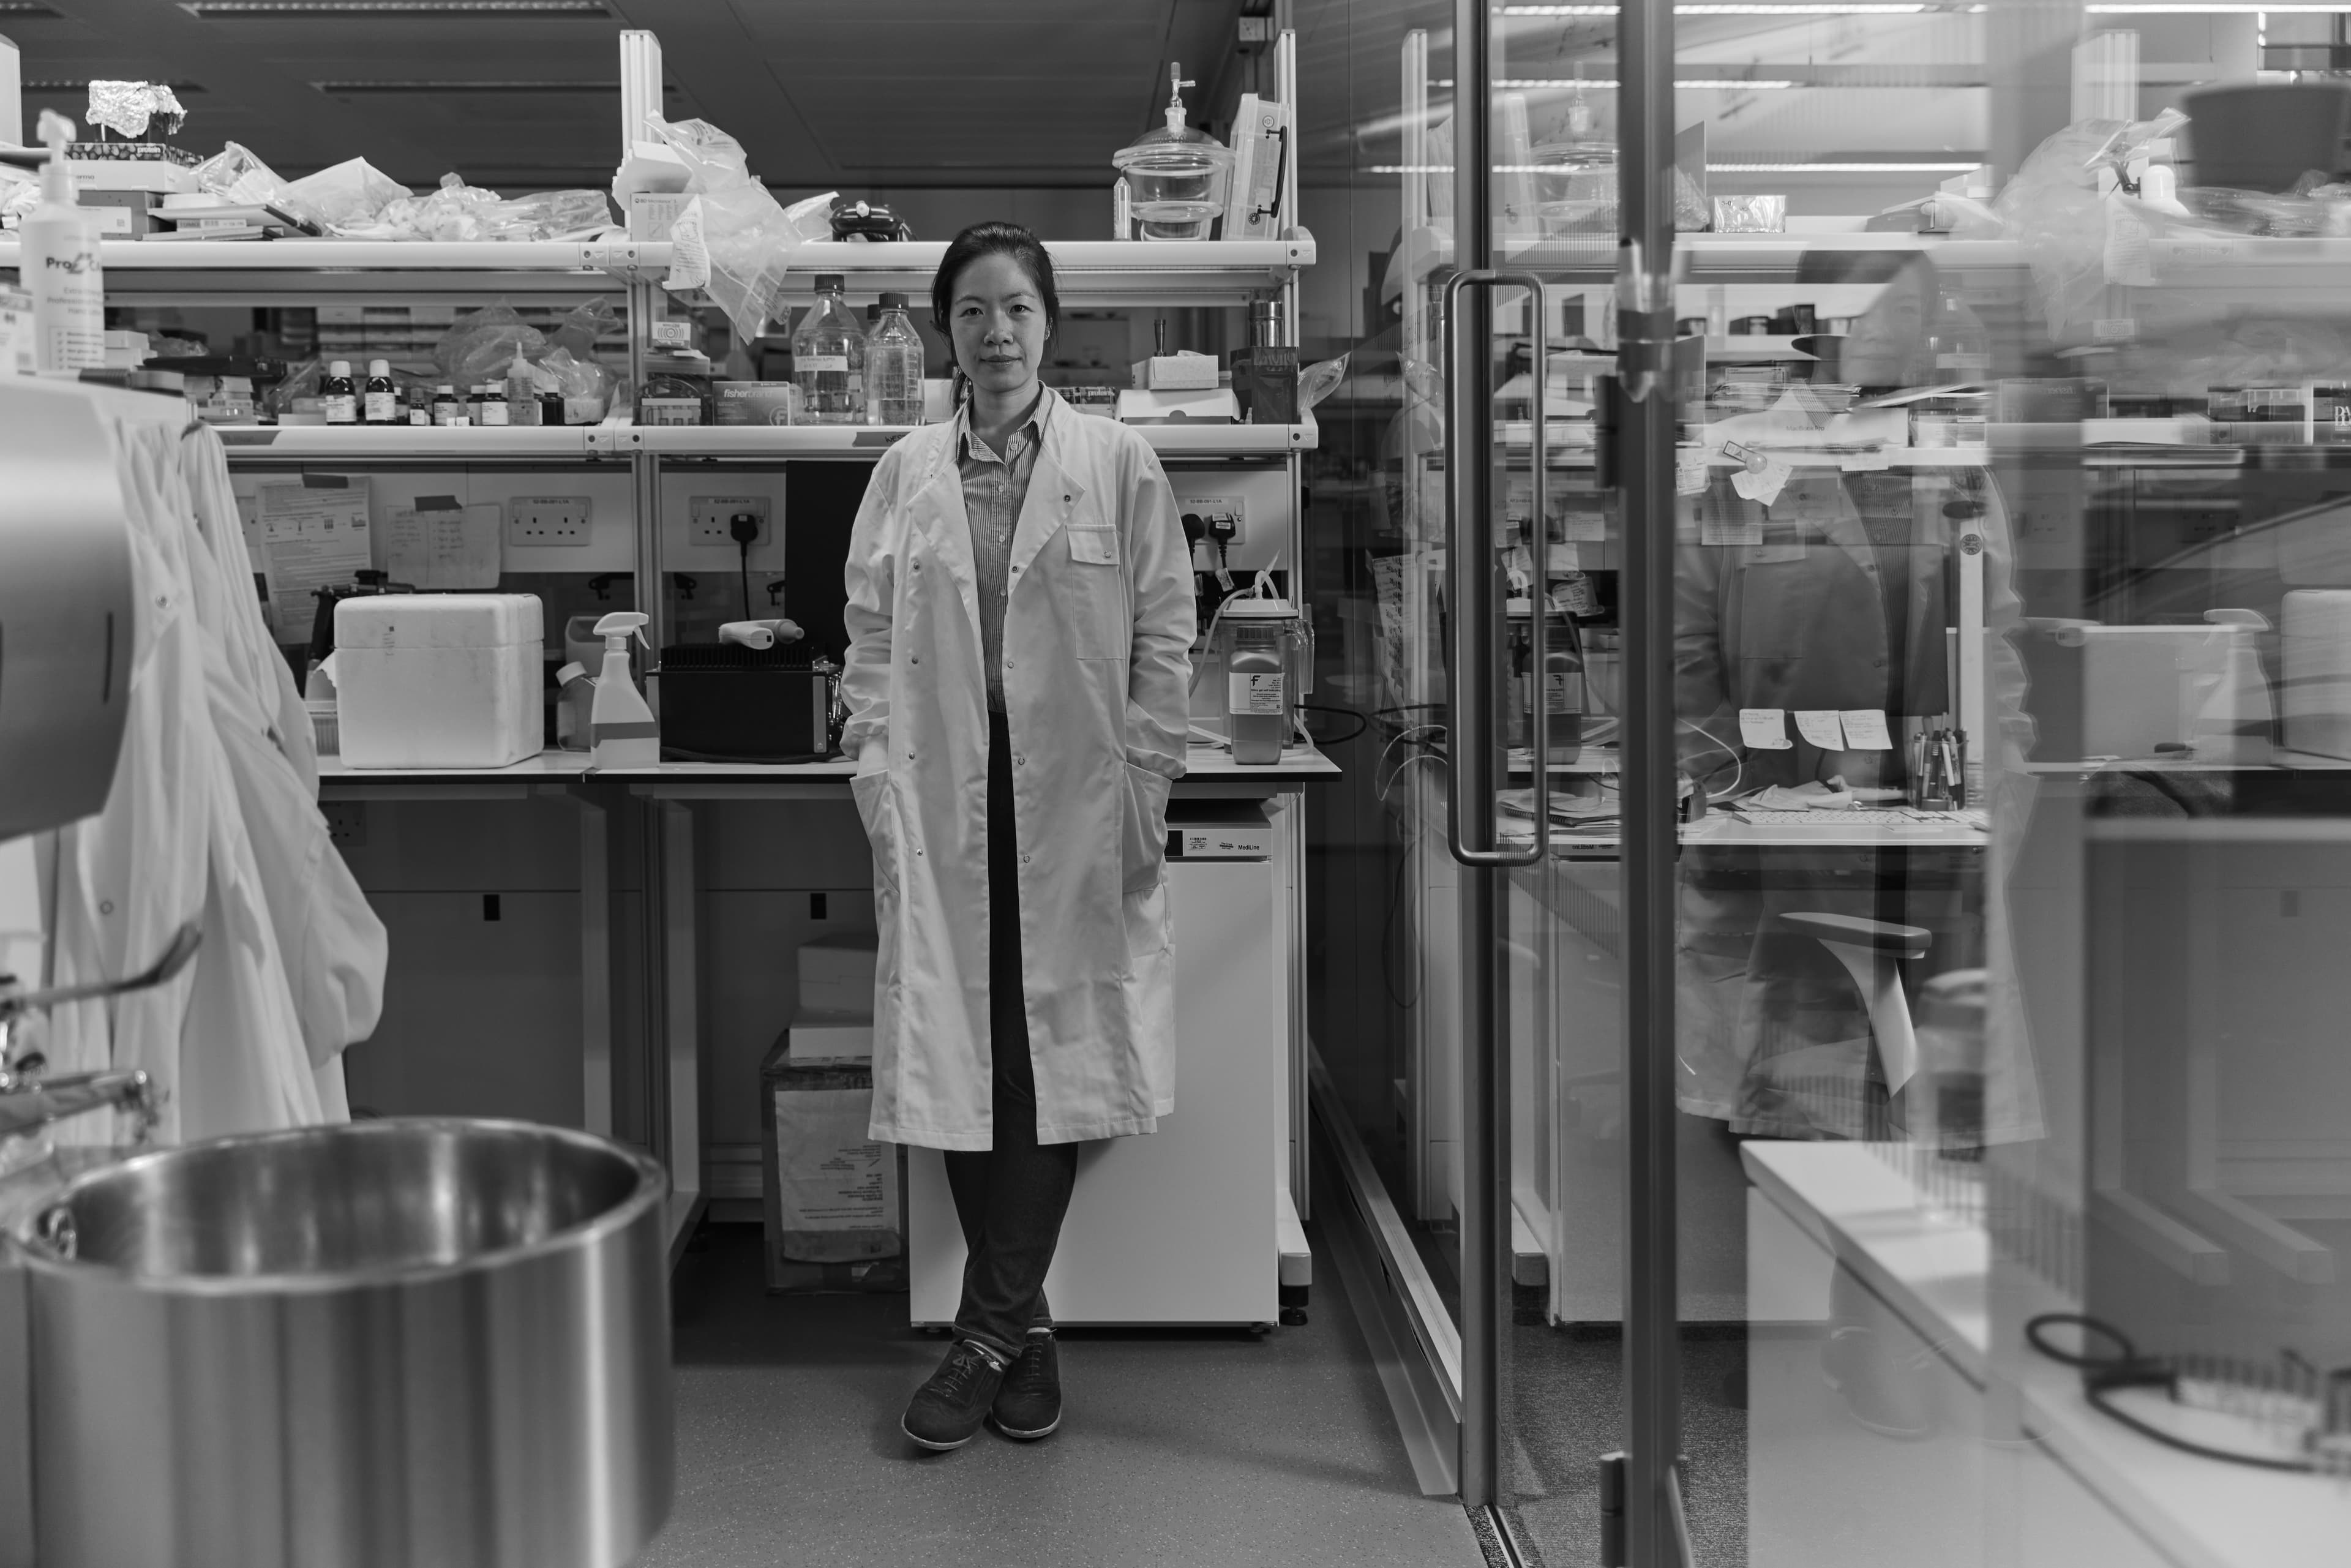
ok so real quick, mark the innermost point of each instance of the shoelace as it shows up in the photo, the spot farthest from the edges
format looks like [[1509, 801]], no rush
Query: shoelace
[[956, 1378]]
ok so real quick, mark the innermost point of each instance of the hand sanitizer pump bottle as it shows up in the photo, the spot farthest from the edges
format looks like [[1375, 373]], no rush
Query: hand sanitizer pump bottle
[[625, 735], [60, 265]]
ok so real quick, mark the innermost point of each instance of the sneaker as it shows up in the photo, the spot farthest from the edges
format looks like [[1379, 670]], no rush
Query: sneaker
[[1028, 1404], [946, 1411]]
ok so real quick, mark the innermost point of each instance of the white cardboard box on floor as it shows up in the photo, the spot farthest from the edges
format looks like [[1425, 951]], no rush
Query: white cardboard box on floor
[[837, 973]]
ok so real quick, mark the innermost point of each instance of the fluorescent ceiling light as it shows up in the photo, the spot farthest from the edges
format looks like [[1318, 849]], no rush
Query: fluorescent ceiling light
[[2162, 7], [1800, 9], [1710, 168], [1695, 84], [55, 86], [251, 10], [446, 87], [26, 8], [1844, 168]]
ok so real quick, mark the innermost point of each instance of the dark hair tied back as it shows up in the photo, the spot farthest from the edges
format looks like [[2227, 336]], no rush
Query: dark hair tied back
[[993, 239]]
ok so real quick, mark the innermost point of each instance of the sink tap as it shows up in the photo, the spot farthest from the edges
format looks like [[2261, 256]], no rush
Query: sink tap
[[28, 1100]]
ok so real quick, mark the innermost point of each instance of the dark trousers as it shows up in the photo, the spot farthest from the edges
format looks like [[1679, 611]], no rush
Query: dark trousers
[[1010, 1198]]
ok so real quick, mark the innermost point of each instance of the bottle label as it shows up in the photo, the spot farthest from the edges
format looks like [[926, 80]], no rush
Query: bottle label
[[445, 414], [491, 414], [1971, 364], [382, 407], [1254, 696], [341, 408], [419, 414], [818, 364], [1563, 694]]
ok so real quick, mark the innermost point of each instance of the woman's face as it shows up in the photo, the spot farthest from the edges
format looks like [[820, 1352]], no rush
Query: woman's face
[[1888, 344], [998, 321]]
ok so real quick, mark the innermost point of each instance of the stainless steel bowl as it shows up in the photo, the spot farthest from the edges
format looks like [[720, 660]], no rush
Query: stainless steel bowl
[[401, 1342]]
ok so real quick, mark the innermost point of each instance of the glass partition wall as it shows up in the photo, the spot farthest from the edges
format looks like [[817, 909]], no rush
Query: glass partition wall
[[1830, 988]]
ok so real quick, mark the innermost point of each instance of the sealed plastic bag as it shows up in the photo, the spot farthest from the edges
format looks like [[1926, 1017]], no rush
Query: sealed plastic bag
[[749, 237], [583, 324], [587, 386], [1319, 380], [351, 193], [549, 214], [236, 176], [479, 347]]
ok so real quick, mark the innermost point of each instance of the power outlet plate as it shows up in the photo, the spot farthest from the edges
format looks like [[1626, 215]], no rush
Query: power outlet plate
[[346, 823], [710, 515], [538, 521], [1209, 508]]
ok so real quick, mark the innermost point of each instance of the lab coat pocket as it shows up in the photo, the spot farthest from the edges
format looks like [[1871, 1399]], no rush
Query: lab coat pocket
[[877, 804], [1144, 856], [1093, 593]]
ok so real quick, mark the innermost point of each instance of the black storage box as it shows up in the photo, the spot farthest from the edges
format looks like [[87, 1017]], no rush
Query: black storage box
[[721, 702]]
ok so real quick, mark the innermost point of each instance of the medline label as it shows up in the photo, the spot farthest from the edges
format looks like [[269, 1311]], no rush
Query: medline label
[[1247, 695]]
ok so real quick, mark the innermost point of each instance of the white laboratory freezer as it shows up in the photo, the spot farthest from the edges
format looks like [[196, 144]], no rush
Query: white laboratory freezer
[[1179, 1225]]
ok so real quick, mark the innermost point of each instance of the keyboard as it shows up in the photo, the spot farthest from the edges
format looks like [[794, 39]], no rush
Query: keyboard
[[1858, 816]]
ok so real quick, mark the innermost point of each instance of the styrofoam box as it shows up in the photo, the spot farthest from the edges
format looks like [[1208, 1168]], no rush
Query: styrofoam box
[[439, 680], [837, 974]]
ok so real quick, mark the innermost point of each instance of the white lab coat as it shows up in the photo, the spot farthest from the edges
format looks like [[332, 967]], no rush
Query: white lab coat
[[211, 818], [1098, 630]]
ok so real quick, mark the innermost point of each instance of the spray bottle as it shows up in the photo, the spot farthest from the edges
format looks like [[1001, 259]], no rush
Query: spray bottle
[[60, 265], [622, 725]]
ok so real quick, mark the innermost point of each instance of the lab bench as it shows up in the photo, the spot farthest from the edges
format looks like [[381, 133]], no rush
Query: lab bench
[[675, 960]]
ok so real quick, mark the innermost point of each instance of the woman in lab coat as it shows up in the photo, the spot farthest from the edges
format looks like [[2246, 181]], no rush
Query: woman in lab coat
[[1018, 679]]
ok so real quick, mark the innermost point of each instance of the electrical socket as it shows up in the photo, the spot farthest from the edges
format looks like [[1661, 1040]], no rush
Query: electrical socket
[[1213, 509], [542, 520], [711, 514]]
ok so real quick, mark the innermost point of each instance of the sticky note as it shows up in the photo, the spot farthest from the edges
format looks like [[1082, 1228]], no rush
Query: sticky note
[[1764, 728], [1864, 729], [1820, 727], [1764, 486]]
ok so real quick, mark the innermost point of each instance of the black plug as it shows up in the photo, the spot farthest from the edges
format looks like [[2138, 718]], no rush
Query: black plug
[[743, 527]]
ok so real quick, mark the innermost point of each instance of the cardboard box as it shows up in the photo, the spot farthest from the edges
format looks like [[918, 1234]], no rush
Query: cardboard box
[[1175, 372], [835, 1198], [122, 214], [837, 973], [654, 213], [755, 402]]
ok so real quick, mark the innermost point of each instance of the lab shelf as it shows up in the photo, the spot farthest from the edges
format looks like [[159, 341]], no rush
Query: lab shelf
[[363, 444], [271, 272], [334, 443], [1085, 272], [1205, 766]]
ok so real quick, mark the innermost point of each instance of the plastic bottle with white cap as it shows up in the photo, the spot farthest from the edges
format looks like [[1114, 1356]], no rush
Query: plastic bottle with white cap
[[60, 265]]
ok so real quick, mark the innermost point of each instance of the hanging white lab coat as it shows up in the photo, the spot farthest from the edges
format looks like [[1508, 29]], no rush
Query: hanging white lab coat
[[210, 820], [1098, 631]]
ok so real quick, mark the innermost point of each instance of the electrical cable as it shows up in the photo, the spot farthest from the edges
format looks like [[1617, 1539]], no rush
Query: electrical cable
[[1363, 722], [2128, 1368]]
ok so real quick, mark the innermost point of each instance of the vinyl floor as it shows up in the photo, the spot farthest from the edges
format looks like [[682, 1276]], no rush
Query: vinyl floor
[[1199, 1449]]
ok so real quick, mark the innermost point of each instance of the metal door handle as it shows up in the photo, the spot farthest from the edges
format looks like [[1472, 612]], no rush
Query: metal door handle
[[1469, 534]]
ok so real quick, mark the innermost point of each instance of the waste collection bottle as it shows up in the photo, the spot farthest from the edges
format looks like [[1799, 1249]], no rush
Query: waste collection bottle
[[60, 265], [894, 367], [1258, 706], [828, 358], [622, 725]]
